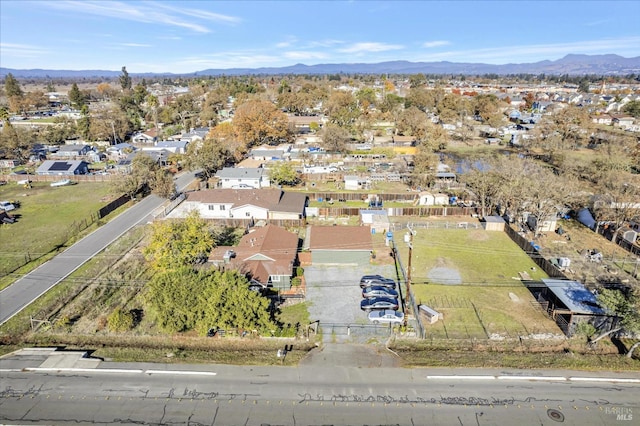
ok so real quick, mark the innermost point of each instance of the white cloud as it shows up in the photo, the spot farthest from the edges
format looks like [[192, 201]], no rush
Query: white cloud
[[135, 45], [15, 50], [145, 12], [304, 55], [325, 43], [370, 47], [537, 52], [230, 59], [435, 43], [287, 43]]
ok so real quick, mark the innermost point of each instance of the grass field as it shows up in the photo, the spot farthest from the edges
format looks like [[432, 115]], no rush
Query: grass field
[[47, 218], [477, 288]]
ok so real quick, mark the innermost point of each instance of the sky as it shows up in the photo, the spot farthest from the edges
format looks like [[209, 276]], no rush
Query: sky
[[190, 36]]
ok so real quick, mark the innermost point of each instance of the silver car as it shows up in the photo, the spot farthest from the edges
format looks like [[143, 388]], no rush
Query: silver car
[[378, 291], [386, 317]]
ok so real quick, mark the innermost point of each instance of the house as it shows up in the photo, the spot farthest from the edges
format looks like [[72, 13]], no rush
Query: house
[[303, 123], [622, 121], [63, 168], [73, 151], [569, 302], [174, 147], [9, 164], [197, 134], [266, 153], [429, 199], [243, 178], [96, 156], [248, 204], [339, 245], [148, 137], [120, 150], [602, 119], [266, 254]]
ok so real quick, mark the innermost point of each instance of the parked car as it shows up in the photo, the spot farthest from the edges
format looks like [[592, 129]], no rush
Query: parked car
[[372, 292], [378, 281], [7, 206], [386, 317], [379, 303]]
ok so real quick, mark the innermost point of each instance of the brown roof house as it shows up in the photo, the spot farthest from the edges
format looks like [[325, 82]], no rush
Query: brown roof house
[[267, 255], [254, 204], [339, 244]]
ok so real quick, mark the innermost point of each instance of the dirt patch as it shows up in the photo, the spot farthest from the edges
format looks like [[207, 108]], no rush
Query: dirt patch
[[444, 275]]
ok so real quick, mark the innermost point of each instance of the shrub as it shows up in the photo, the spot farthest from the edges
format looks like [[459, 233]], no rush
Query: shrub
[[120, 320]]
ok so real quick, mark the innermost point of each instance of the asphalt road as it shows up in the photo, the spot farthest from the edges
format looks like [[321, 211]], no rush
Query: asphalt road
[[159, 394], [20, 294]]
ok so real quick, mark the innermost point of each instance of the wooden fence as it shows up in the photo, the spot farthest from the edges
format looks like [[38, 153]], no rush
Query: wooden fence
[[548, 267], [72, 178]]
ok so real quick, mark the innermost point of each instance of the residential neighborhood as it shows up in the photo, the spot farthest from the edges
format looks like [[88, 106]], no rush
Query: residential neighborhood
[[296, 198]]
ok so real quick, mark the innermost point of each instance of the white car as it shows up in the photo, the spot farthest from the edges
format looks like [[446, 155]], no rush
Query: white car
[[387, 316], [6, 206]]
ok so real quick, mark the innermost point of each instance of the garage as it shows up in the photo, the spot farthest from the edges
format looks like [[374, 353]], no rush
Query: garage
[[339, 245]]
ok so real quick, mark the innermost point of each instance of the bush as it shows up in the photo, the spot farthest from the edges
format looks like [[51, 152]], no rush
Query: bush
[[120, 320]]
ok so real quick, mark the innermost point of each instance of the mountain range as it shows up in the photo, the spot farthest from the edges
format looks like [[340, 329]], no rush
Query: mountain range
[[571, 64]]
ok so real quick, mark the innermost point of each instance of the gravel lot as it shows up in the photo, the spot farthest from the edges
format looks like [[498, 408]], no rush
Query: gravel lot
[[334, 294]]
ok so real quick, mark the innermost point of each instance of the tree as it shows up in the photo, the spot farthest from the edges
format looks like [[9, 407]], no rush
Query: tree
[[76, 97], [283, 173], [12, 87], [208, 156], [17, 143], [84, 123], [125, 79], [481, 178], [141, 176], [187, 299], [626, 308], [414, 122], [178, 243], [335, 138], [632, 108], [342, 109], [162, 184], [228, 303], [257, 122]]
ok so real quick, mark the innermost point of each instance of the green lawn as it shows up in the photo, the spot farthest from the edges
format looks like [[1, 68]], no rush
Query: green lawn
[[47, 218], [489, 298]]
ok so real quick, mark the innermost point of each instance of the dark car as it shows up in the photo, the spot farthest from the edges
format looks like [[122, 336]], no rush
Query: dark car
[[379, 303], [378, 281], [372, 292]]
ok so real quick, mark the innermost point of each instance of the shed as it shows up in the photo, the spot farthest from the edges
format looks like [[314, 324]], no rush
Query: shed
[[429, 199], [629, 235], [378, 220], [570, 302], [494, 223], [353, 183], [431, 314]]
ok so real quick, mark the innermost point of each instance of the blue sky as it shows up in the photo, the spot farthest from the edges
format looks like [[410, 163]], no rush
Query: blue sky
[[188, 36]]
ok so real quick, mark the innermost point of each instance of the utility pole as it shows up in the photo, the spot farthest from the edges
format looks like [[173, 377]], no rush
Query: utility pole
[[408, 238]]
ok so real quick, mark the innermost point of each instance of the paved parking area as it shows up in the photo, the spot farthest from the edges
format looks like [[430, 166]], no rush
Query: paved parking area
[[334, 295]]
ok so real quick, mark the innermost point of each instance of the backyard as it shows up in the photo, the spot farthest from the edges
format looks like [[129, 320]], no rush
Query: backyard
[[473, 277]]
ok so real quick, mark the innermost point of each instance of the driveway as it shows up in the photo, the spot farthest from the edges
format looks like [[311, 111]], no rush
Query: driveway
[[334, 294]]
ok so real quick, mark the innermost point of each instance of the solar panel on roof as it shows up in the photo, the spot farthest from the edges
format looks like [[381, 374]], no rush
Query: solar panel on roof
[[60, 166]]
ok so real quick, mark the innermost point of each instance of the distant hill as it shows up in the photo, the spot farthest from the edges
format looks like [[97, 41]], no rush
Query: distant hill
[[570, 64]]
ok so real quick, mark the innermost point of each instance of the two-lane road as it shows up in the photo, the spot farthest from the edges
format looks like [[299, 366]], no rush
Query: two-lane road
[[20, 294]]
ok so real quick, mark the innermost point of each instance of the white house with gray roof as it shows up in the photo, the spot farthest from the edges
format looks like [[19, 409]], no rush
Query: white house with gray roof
[[243, 178], [256, 204]]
